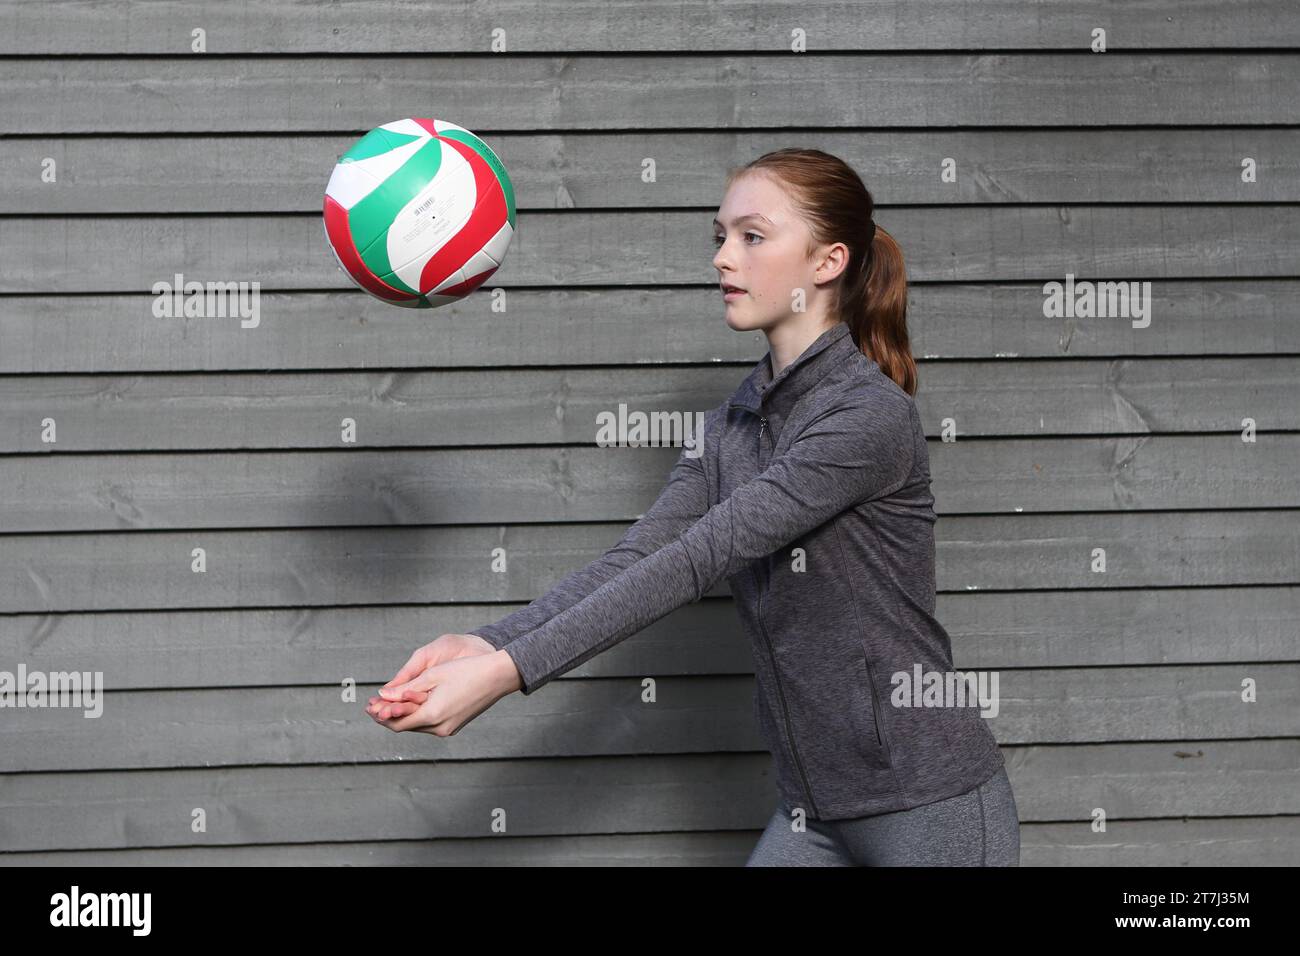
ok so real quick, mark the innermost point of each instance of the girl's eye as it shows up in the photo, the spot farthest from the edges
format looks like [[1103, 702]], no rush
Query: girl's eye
[[718, 240]]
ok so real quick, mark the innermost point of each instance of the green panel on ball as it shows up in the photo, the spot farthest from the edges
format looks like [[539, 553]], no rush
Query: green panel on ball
[[370, 218], [375, 143]]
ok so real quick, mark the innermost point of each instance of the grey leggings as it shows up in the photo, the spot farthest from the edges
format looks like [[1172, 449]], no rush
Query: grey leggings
[[978, 828]]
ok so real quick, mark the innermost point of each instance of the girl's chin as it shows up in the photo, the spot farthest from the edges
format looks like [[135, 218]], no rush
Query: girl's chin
[[739, 324]]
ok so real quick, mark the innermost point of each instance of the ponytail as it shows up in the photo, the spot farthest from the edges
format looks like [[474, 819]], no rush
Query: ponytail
[[874, 306]]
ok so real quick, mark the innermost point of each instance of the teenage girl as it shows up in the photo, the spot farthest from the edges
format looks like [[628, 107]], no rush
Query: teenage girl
[[811, 497]]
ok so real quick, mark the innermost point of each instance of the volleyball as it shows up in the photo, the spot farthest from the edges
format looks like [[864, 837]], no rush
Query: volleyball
[[419, 213]]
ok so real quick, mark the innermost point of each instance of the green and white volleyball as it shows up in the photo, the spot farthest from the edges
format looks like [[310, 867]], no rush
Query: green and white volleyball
[[419, 213]]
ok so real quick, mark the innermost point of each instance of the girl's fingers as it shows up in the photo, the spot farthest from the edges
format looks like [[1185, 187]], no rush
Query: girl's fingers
[[383, 709], [420, 684]]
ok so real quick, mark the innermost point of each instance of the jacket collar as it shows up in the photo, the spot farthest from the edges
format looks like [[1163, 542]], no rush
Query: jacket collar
[[759, 392]]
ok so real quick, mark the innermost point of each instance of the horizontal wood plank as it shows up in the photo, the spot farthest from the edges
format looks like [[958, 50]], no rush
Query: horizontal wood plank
[[70, 492], [565, 170], [693, 793], [648, 325], [299, 725], [54, 27], [397, 409], [243, 647], [204, 94], [329, 566], [582, 248], [1214, 841]]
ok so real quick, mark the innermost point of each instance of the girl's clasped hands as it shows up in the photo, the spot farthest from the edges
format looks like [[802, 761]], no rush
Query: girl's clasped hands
[[445, 685]]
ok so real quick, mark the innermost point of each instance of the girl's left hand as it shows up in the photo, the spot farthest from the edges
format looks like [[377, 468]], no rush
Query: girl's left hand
[[446, 696]]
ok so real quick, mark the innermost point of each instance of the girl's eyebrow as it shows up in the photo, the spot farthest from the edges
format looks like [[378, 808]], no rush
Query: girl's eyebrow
[[753, 215]]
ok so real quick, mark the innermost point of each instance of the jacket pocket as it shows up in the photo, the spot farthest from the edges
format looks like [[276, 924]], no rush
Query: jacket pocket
[[875, 700], [871, 734]]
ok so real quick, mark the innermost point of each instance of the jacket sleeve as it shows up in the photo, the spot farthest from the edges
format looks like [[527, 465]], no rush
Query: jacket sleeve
[[850, 454], [683, 501]]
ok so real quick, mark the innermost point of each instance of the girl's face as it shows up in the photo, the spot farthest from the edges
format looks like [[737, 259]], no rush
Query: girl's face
[[761, 247]]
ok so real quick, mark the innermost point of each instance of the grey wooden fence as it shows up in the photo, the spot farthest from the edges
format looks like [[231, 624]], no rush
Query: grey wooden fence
[[327, 562]]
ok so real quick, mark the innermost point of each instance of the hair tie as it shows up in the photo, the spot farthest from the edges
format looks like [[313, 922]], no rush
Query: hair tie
[[866, 252]]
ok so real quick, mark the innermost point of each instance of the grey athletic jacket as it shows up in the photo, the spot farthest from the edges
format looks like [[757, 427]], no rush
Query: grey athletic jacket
[[812, 499]]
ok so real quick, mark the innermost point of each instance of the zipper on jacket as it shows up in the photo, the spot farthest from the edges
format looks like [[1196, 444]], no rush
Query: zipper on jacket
[[785, 713], [780, 694]]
